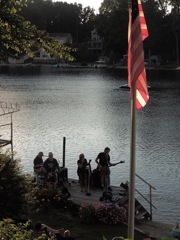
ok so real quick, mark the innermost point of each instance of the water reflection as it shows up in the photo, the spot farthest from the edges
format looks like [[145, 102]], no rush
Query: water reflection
[[88, 108]]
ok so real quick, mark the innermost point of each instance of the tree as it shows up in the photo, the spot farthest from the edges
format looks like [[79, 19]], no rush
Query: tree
[[38, 12], [175, 16], [163, 21], [87, 21], [156, 27], [13, 188], [61, 17], [113, 15], [18, 35]]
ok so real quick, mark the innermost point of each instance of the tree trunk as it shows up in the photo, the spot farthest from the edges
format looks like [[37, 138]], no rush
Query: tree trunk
[[177, 49]]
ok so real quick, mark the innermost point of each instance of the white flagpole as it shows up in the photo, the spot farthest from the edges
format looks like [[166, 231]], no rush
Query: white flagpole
[[131, 209]]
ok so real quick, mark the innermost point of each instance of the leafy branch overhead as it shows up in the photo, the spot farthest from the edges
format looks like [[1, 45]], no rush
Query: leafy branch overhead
[[20, 36]]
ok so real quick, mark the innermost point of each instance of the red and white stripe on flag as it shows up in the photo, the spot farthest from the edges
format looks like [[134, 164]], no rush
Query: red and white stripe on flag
[[144, 30], [137, 32]]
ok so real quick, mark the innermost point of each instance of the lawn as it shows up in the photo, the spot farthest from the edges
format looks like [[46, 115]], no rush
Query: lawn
[[62, 218]]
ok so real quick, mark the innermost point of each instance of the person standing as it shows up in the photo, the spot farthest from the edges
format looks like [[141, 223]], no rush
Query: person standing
[[82, 172], [103, 161], [38, 166], [51, 167]]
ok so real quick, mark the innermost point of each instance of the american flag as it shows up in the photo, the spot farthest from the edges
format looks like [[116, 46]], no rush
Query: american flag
[[137, 32]]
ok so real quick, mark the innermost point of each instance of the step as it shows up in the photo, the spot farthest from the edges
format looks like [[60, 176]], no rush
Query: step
[[141, 215], [138, 207], [124, 199]]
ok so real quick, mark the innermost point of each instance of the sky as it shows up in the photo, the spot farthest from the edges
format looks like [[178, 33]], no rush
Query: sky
[[92, 3]]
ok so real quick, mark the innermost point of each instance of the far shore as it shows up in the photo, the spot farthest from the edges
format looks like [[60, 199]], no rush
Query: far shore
[[87, 65]]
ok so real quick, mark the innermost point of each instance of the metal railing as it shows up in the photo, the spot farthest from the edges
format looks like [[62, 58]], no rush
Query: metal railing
[[150, 194]]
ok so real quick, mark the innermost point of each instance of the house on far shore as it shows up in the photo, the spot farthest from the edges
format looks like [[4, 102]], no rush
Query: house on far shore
[[96, 42], [16, 59], [41, 56], [155, 60]]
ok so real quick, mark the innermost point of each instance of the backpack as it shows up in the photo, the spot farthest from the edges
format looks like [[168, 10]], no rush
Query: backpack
[[106, 195]]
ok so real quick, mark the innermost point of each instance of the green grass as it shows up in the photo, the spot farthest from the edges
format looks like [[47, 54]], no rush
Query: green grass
[[58, 218]]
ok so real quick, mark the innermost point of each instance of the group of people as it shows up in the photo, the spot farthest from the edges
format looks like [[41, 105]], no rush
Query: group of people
[[48, 171], [103, 163], [52, 172]]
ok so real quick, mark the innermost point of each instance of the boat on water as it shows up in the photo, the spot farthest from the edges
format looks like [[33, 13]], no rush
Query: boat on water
[[61, 65], [100, 64], [126, 87]]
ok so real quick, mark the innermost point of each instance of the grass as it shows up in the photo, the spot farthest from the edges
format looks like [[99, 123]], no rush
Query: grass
[[61, 218]]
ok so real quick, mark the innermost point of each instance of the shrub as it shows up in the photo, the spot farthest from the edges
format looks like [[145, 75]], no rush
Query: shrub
[[110, 213], [117, 238], [87, 212], [107, 213], [19, 195], [9, 230], [13, 187], [45, 198], [21, 231]]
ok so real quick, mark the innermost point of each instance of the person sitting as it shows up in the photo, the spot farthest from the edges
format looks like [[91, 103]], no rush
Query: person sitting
[[107, 195], [51, 167], [60, 234], [38, 168]]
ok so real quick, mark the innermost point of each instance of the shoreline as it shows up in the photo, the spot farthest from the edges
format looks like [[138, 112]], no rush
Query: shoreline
[[88, 66], [155, 229]]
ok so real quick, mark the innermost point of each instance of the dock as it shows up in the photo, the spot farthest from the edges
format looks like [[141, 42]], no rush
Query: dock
[[143, 219], [120, 196], [92, 196]]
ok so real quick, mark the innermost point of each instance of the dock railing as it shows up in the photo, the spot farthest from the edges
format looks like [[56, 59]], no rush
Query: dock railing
[[150, 194], [8, 109]]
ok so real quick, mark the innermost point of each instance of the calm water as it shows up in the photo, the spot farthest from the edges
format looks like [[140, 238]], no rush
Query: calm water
[[87, 107]]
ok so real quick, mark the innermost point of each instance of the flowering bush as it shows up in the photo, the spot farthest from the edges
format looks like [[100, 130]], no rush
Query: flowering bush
[[42, 199], [110, 213], [87, 212], [107, 213]]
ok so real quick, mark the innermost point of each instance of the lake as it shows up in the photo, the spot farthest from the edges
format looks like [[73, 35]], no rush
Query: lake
[[88, 107]]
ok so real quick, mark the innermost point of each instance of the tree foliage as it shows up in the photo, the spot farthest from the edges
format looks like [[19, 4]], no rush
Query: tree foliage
[[163, 22], [18, 35], [113, 15], [61, 17], [21, 231], [13, 188]]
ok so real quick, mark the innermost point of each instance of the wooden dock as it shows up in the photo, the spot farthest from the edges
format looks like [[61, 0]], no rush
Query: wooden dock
[[120, 196], [94, 193]]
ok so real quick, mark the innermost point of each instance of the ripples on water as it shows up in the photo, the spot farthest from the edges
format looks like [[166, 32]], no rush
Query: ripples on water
[[87, 107]]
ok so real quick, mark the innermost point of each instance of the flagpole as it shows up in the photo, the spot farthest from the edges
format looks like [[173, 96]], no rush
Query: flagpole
[[131, 209], [137, 32]]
